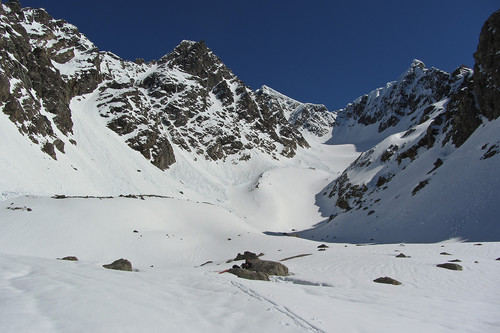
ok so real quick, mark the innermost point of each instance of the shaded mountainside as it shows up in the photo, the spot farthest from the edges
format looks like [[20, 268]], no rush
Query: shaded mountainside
[[434, 175]]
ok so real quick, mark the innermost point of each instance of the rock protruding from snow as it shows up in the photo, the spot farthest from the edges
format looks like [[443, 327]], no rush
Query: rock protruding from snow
[[246, 255], [256, 269], [387, 280], [451, 266], [69, 258], [120, 265]]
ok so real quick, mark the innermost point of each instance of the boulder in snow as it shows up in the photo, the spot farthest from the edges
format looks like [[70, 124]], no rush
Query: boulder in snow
[[248, 274], [120, 265], [69, 258], [245, 255], [453, 267], [387, 280]]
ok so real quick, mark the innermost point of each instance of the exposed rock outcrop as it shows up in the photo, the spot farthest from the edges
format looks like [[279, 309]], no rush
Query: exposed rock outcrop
[[487, 68], [120, 265], [256, 269]]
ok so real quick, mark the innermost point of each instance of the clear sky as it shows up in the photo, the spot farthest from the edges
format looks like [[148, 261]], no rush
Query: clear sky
[[319, 51]]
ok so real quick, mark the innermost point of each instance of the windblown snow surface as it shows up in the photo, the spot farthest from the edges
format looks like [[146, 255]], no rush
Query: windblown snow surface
[[170, 290]]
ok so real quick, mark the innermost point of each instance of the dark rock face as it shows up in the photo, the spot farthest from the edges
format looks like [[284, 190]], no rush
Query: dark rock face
[[33, 92], [450, 266], [480, 94], [387, 280], [487, 68], [120, 265]]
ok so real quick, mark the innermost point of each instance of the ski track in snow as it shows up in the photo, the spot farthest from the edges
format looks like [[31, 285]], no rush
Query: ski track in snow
[[299, 321]]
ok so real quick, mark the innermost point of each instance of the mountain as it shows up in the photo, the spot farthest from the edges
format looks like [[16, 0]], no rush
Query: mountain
[[313, 119], [411, 161], [188, 98], [78, 105], [431, 173], [397, 107], [178, 166]]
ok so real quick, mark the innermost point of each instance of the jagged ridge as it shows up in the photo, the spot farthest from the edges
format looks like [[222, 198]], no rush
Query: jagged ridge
[[188, 99]]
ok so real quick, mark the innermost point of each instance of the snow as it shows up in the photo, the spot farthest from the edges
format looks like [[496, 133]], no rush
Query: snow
[[327, 291], [202, 213]]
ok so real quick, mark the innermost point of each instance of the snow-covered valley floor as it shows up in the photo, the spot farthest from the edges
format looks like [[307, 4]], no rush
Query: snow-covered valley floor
[[171, 291]]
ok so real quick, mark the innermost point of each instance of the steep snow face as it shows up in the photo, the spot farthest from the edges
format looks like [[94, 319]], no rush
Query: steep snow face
[[397, 107], [405, 189]]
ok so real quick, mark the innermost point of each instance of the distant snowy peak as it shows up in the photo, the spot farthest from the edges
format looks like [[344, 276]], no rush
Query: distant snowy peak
[[308, 117], [400, 105]]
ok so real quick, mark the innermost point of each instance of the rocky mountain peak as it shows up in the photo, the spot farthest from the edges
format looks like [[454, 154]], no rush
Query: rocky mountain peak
[[198, 60], [416, 64], [14, 5], [430, 148], [399, 105], [188, 100], [487, 68]]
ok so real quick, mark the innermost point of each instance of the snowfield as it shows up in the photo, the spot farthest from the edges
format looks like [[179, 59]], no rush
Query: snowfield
[[230, 190], [171, 289]]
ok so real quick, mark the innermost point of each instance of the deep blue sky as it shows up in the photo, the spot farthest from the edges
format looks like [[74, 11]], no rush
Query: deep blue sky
[[315, 51]]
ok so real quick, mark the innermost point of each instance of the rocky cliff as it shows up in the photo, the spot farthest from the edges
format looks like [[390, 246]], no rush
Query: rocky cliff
[[187, 100]]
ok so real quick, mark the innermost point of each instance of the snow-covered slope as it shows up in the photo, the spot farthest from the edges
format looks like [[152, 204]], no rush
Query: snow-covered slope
[[171, 291], [226, 170], [79, 121], [434, 174]]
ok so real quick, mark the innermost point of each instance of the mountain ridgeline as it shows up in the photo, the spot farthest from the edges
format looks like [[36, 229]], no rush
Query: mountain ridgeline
[[430, 155], [188, 98], [429, 141]]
